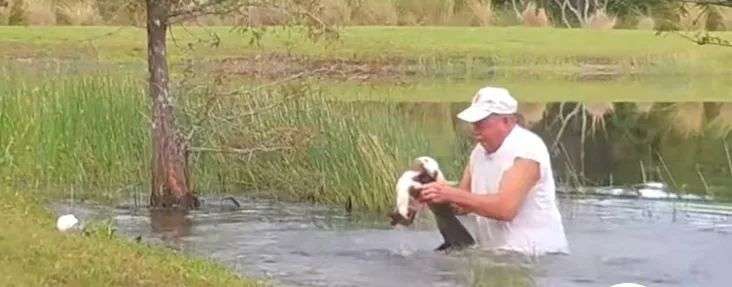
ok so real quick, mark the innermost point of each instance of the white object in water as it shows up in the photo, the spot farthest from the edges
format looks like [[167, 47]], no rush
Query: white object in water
[[66, 222], [613, 191], [627, 285], [652, 193], [652, 184]]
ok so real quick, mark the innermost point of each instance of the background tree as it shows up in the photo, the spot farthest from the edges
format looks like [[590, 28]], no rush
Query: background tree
[[726, 3], [170, 183], [708, 9]]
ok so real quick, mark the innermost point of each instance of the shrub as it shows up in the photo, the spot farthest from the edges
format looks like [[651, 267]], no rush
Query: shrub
[[258, 16], [82, 12], [482, 11], [534, 17], [431, 12], [40, 13], [645, 23], [4, 11], [601, 21], [714, 21], [16, 15], [726, 13], [336, 12], [119, 12], [692, 18], [374, 12]]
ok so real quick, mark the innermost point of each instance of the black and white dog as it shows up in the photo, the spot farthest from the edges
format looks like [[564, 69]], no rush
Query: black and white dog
[[425, 170]]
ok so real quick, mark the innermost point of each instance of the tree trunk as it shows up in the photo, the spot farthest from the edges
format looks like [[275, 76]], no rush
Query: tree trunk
[[170, 185]]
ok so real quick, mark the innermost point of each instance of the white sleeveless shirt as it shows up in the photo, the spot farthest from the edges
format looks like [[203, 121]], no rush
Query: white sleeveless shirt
[[537, 228]]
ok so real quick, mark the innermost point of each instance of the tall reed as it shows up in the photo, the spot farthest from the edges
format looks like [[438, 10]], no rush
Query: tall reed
[[356, 152], [86, 131], [91, 134]]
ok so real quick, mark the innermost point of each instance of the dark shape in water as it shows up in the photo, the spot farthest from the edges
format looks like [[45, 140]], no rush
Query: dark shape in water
[[233, 200], [349, 205], [453, 231]]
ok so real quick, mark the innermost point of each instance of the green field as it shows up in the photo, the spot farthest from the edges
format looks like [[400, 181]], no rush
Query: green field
[[546, 48], [625, 89], [433, 64]]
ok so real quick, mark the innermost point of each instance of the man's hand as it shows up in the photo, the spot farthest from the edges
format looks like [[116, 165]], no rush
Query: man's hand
[[442, 192], [436, 192]]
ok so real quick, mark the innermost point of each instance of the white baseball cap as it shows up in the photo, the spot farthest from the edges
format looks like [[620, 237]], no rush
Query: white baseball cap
[[488, 101]]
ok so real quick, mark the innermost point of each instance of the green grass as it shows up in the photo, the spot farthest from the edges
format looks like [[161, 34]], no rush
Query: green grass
[[90, 134], [355, 153], [527, 89], [542, 48], [35, 254], [89, 131]]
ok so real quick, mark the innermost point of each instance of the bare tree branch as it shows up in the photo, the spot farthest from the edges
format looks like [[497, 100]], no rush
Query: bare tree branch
[[515, 9], [246, 151], [209, 7], [562, 6], [206, 108], [186, 15], [726, 3], [706, 39]]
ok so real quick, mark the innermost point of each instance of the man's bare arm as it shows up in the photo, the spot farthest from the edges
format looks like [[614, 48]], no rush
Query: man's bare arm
[[464, 184], [515, 184]]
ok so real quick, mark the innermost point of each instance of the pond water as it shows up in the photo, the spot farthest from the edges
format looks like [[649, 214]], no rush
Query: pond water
[[613, 240]]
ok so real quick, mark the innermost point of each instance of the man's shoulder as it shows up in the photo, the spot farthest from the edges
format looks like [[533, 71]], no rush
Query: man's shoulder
[[524, 136]]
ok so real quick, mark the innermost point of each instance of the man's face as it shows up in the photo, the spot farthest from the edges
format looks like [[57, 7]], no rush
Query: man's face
[[490, 131]]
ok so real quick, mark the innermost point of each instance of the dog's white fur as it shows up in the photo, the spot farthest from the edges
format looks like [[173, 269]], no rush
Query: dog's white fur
[[407, 182], [404, 184]]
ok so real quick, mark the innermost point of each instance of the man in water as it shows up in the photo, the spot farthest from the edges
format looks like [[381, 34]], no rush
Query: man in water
[[508, 182]]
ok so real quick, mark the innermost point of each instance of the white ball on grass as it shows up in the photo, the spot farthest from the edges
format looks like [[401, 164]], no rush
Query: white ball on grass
[[66, 222]]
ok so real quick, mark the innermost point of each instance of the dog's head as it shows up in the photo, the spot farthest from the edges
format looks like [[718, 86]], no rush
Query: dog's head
[[428, 168]]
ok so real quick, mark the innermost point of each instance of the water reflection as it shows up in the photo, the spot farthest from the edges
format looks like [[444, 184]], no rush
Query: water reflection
[[170, 224], [685, 145], [532, 113]]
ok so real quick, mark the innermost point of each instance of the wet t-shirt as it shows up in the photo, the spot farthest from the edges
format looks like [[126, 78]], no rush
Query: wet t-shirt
[[537, 228]]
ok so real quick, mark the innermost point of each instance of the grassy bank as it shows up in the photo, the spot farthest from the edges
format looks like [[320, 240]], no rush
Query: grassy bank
[[471, 48], [90, 135], [35, 254], [73, 131]]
